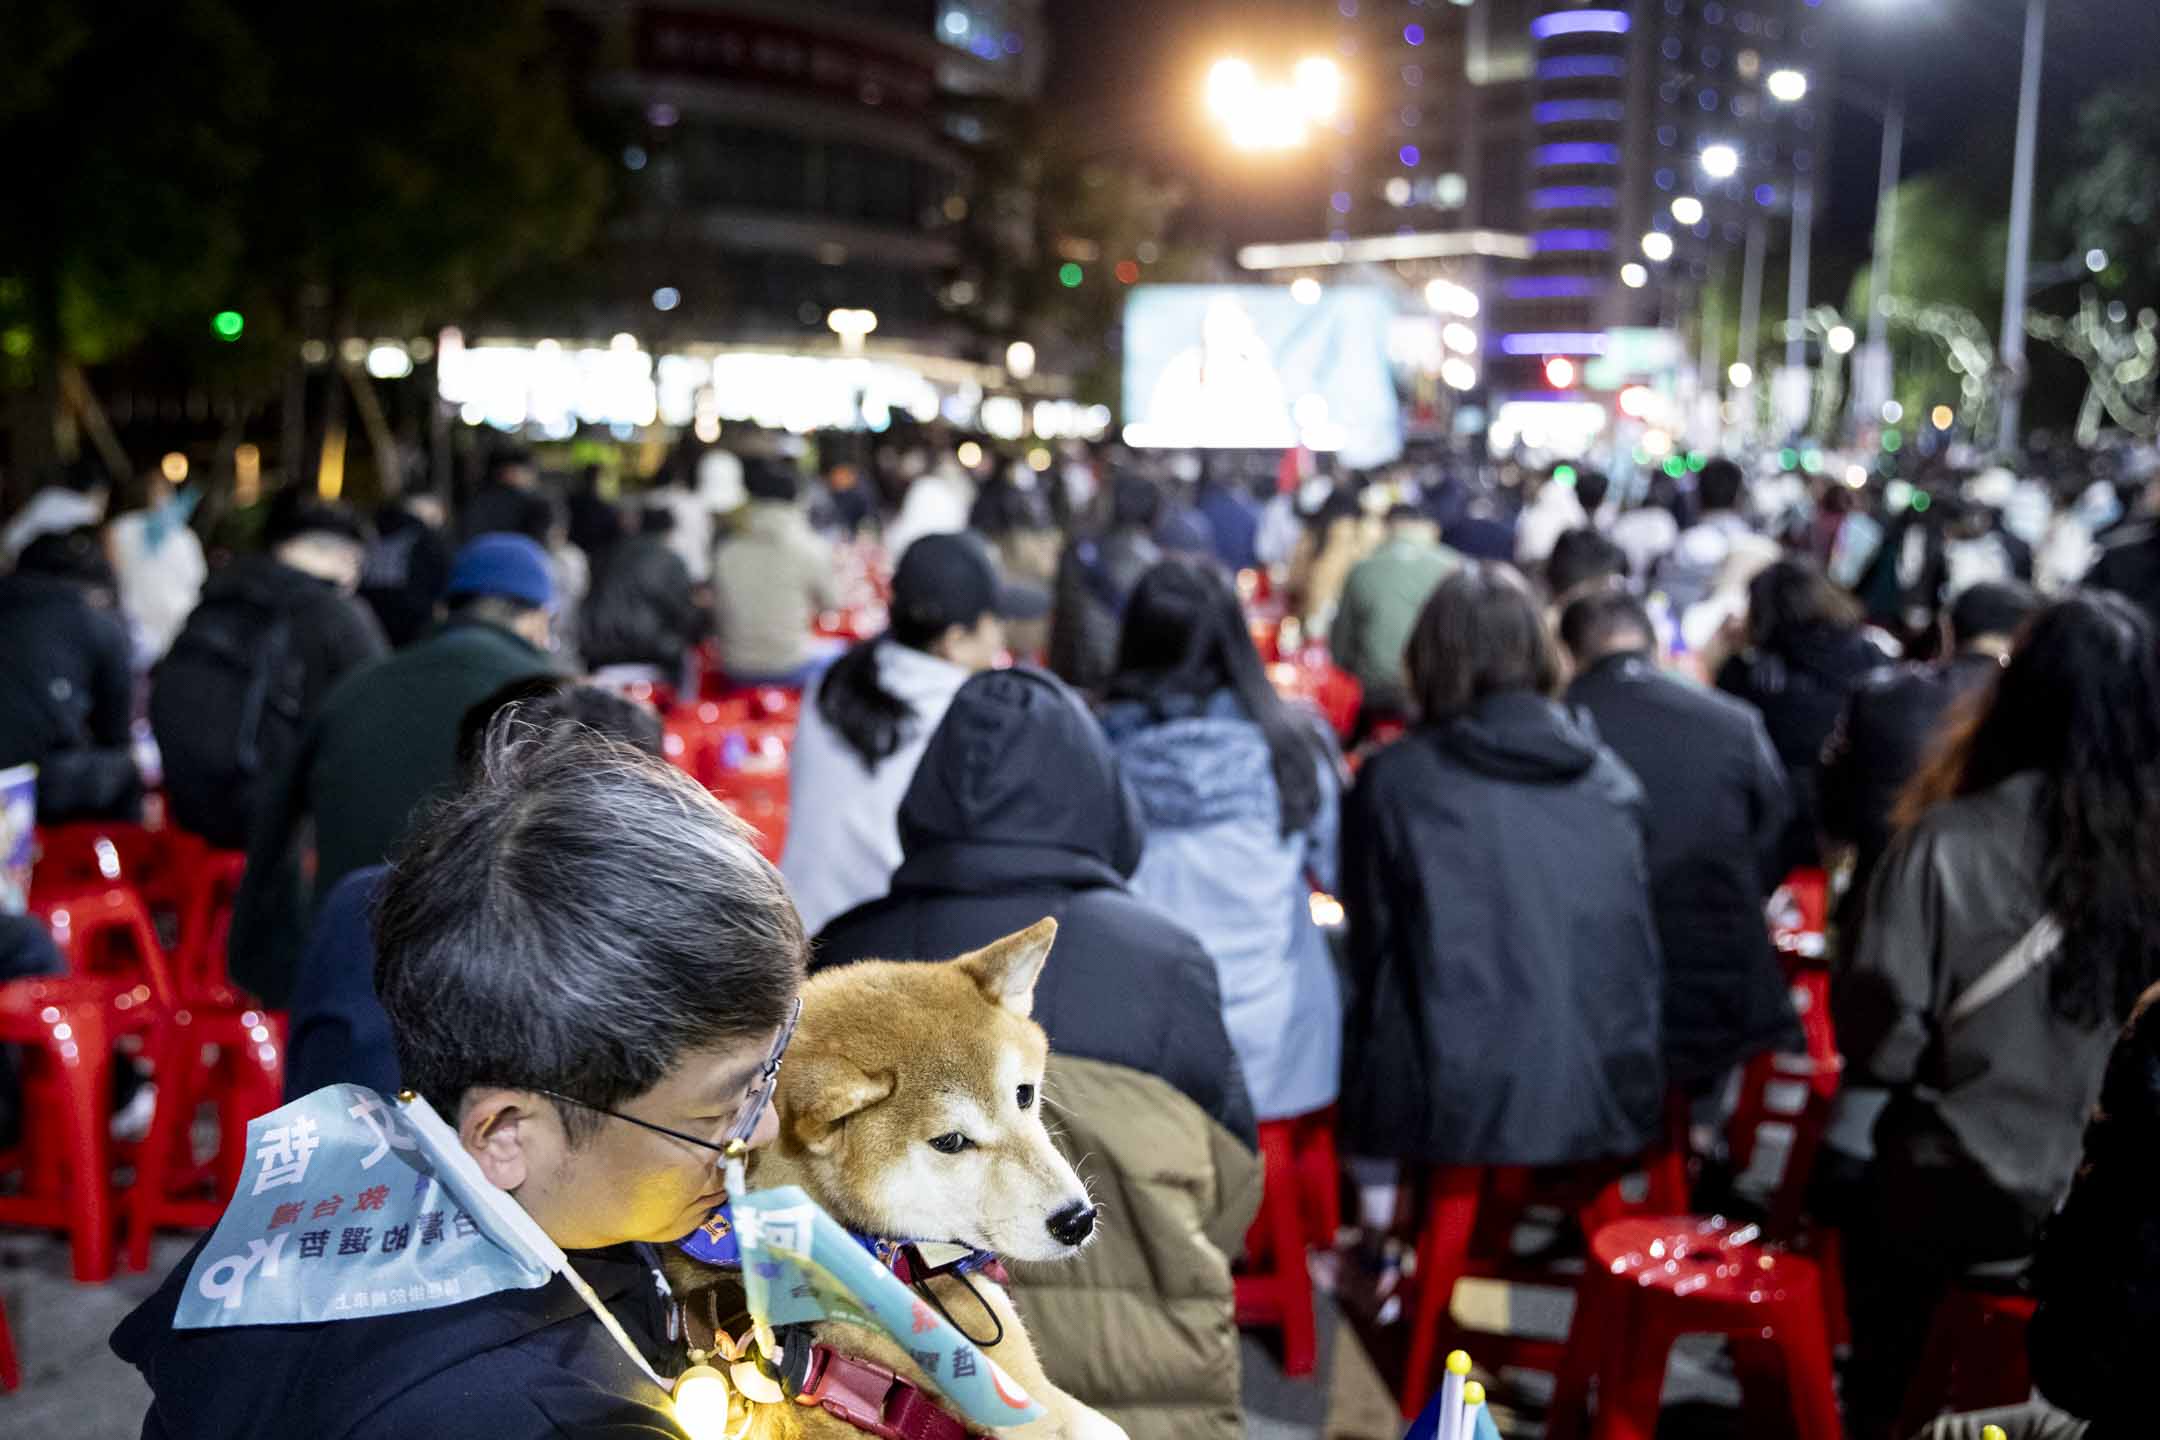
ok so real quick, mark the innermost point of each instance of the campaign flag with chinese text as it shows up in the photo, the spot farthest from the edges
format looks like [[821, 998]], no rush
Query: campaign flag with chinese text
[[347, 1210]]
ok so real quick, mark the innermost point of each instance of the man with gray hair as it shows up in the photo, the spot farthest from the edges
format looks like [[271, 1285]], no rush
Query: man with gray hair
[[590, 974]]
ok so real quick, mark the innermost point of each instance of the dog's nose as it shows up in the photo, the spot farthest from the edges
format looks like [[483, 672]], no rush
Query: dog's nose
[[1072, 1225]]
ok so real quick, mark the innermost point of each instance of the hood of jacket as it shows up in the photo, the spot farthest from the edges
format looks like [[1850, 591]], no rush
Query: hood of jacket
[[37, 592], [260, 580], [1194, 762], [1017, 785], [1521, 737]]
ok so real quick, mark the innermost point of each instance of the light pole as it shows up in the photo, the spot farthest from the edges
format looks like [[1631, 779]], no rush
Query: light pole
[[1871, 373], [2011, 345]]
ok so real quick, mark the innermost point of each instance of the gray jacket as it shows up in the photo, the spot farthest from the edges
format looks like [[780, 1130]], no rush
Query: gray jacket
[[2001, 1098]]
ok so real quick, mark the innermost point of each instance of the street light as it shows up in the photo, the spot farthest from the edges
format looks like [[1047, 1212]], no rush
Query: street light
[[1259, 116], [1687, 210], [1720, 162], [1634, 276], [1657, 245], [1305, 290], [851, 326], [1841, 339], [1741, 374], [1786, 85], [1319, 86], [1020, 360]]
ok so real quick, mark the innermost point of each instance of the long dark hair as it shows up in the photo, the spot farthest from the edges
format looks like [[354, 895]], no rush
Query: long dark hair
[[2078, 704], [1480, 634], [640, 611], [1185, 639], [1791, 596], [854, 701]]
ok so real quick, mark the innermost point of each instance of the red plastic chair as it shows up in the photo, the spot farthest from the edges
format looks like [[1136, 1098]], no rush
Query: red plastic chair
[[1300, 1208], [105, 931], [10, 1368], [1975, 1358], [1653, 1280], [67, 1027], [244, 1075], [206, 910], [1470, 1213]]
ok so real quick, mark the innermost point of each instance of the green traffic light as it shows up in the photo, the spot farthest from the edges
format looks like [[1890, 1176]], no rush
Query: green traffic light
[[228, 324], [1070, 275]]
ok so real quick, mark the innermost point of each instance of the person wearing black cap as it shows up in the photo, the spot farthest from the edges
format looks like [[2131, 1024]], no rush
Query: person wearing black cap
[[384, 745], [255, 662], [770, 580], [865, 726]]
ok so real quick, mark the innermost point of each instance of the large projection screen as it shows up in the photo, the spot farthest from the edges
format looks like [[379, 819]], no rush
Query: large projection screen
[[1253, 367]]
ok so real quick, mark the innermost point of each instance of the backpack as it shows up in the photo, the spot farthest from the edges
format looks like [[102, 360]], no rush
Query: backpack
[[227, 707]]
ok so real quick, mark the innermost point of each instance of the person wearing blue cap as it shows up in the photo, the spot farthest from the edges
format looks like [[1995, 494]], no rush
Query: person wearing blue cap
[[383, 747]]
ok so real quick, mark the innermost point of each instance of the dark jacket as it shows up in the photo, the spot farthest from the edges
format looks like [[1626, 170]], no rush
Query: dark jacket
[[66, 697], [1993, 1103], [1504, 970], [408, 569], [340, 1034], [497, 509], [1716, 807], [384, 745], [515, 1365], [1017, 812], [1094, 580], [2129, 565], [332, 633], [1877, 747], [1800, 681], [1233, 524]]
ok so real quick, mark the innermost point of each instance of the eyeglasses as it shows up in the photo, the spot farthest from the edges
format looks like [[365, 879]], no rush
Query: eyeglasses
[[746, 1119]]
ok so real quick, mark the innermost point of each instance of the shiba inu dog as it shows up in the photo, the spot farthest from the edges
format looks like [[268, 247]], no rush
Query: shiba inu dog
[[911, 1107]]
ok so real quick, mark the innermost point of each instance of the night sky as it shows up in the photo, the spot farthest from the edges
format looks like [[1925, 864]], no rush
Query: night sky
[[1128, 72]]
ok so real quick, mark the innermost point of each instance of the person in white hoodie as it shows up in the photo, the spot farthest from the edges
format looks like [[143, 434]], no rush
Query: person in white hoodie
[[864, 728]]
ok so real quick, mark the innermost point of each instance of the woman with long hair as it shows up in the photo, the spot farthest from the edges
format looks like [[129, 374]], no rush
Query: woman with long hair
[[2010, 930], [865, 726], [1806, 653], [1241, 800], [640, 621]]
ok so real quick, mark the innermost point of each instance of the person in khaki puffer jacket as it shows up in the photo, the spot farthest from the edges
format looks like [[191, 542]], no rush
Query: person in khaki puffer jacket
[[1143, 1325]]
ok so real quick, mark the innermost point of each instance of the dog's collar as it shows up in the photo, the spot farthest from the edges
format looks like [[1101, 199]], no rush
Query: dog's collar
[[909, 1266], [869, 1397]]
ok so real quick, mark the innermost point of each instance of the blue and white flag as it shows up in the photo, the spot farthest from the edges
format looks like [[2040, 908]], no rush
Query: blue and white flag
[[347, 1209]]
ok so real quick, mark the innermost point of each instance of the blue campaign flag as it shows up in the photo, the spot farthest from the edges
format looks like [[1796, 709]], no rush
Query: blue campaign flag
[[346, 1210], [800, 1265]]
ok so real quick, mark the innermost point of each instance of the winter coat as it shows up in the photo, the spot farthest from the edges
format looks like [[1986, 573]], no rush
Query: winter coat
[[514, 1365], [1716, 805], [1217, 859], [66, 698], [1380, 605], [1877, 747], [769, 583], [1998, 1100], [384, 745], [1094, 580], [407, 571], [1018, 811], [1143, 1325], [340, 1033], [1504, 970], [843, 840], [1800, 681], [2129, 565]]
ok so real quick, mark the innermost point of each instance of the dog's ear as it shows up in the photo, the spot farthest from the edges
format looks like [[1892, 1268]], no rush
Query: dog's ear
[[1006, 970], [836, 1090]]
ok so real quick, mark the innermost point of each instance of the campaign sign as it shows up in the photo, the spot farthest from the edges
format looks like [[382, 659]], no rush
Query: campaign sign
[[18, 833], [346, 1210], [800, 1266]]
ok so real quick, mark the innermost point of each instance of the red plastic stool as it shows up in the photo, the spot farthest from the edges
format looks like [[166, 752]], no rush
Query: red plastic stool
[[1651, 1281], [1975, 1357], [246, 1079], [1300, 1207], [10, 1368], [1471, 1211], [105, 931], [66, 1027], [205, 905]]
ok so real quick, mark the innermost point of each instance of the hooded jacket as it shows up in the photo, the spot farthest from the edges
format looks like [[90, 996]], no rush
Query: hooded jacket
[[1505, 975], [514, 1365], [1018, 811], [66, 693], [1216, 857], [1715, 806]]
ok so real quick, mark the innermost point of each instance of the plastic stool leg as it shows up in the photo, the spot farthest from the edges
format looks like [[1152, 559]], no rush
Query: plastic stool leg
[[89, 1095], [1631, 1378], [1293, 1281], [1451, 1211], [10, 1367], [1589, 1334], [1319, 1179]]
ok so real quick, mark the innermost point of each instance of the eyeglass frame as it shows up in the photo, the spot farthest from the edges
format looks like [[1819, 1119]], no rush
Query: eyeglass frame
[[754, 1105]]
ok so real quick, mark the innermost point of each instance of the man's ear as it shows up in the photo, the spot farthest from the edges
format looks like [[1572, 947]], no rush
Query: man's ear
[[834, 1091], [504, 1133], [1006, 970]]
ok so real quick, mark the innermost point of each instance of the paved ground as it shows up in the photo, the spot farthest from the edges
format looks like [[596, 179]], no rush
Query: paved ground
[[74, 1387]]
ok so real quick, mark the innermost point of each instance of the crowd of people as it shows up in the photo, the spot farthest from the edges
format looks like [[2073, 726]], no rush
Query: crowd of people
[[1598, 732]]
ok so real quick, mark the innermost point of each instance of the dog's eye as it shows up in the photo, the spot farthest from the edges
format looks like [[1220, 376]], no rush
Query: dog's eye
[[951, 1144], [1027, 1097]]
